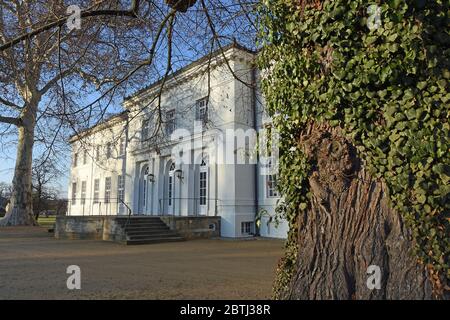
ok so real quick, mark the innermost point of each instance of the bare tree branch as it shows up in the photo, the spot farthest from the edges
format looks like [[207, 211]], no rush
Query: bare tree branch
[[10, 104], [10, 120], [132, 12]]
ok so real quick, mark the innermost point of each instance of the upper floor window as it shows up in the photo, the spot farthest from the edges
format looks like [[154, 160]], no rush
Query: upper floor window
[[145, 129], [85, 156], [75, 159], [97, 153], [170, 122], [201, 110], [122, 146], [108, 150]]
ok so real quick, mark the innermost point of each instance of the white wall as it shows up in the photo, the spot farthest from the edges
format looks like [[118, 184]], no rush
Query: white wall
[[231, 187]]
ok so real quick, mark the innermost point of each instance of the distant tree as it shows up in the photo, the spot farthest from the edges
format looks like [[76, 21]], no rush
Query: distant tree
[[5, 189], [44, 177]]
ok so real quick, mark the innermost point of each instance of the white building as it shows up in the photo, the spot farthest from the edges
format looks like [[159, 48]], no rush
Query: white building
[[183, 146]]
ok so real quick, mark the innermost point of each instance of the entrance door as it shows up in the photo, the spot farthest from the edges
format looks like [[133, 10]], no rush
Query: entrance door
[[143, 201]]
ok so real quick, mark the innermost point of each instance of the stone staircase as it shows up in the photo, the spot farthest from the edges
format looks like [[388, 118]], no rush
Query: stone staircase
[[146, 230]]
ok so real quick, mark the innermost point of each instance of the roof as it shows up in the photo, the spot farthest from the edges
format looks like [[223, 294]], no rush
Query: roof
[[233, 45], [101, 125]]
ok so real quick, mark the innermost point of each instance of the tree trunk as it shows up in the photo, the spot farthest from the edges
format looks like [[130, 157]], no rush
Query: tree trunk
[[20, 207], [348, 227]]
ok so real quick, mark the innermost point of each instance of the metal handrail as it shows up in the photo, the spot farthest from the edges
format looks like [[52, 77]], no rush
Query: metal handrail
[[129, 211], [91, 203]]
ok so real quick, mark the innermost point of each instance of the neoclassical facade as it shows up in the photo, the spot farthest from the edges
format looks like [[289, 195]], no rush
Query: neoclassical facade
[[185, 146]]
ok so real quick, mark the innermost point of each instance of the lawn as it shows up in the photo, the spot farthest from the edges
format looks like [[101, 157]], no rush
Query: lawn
[[47, 222]]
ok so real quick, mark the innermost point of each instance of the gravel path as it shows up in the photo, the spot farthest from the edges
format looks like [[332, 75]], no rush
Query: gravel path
[[33, 266]]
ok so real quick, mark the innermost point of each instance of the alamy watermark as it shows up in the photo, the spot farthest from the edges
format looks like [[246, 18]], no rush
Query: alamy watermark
[[374, 279], [74, 20], [227, 146], [74, 280]]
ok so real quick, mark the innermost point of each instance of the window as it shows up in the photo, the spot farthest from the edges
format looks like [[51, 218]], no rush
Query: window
[[203, 188], [122, 146], [271, 182], [121, 188], [144, 189], [85, 156], [83, 192], [268, 135], [97, 153], [107, 189], [201, 110], [145, 130], [74, 193], [170, 122], [203, 182], [108, 150], [170, 191], [75, 159], [96, 190], [247, 227], [121, 192]]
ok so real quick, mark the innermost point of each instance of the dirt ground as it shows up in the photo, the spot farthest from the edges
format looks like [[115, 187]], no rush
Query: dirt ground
[[33, 266]]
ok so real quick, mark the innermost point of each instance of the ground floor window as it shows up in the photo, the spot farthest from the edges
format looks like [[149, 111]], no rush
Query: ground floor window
[[170, 190], [74, 193], [271, 181], [272, 186], [170, 184], [203, 188], [96, 190], [107, 189], [121, 188], [247, 227], [83, 192]]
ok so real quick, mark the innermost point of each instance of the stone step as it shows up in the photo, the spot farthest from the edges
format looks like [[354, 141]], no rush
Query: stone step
[[138, 218], [146, 228], [152, 236], [141, 232], [146, 221], [150, 225], [153, 240]]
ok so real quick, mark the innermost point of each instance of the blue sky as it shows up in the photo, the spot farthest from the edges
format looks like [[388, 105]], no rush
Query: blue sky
[[6, 170]]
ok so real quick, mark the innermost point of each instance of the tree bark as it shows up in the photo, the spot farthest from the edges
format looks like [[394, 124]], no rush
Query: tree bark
[[348, 227], [20, 207]]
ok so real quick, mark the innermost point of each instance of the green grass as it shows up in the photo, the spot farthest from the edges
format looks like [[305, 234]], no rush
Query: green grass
[[47, 222]]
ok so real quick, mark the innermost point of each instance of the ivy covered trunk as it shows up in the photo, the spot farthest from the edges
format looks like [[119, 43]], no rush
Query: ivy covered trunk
[[359, 95], [348, 227]]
